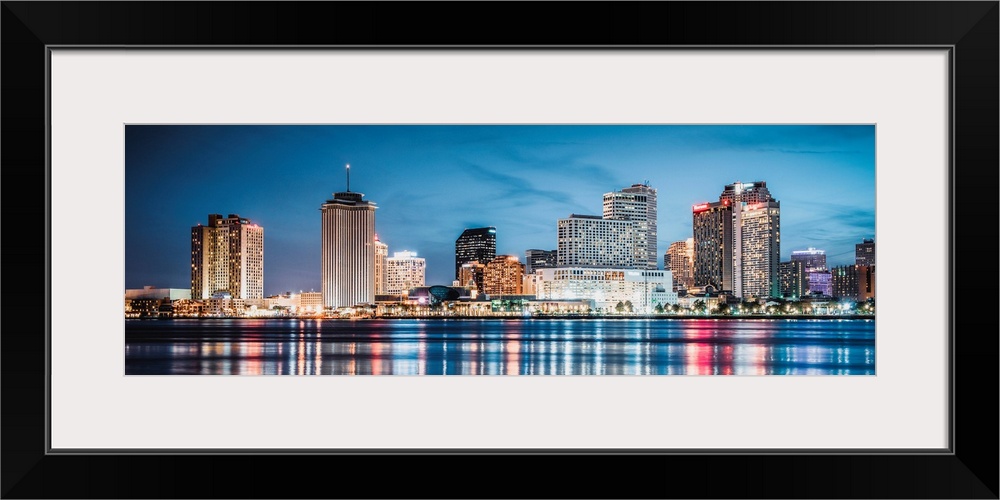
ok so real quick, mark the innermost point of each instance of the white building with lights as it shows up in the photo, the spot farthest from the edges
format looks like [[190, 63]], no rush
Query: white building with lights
[[644, 289]]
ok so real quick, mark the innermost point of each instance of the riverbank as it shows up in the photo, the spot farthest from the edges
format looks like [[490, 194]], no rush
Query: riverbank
[[561, 317]]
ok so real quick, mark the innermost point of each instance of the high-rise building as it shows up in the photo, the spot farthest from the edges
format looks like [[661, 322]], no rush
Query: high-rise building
[[818, 278], [855, 282], [737, 241], [757, 232], [504, 276], [404, 271], [679, 260], [813, 259], [636, 203], [712, 226], [792, 279], [227, 257], [381, 276], [477, 244], [864, 253], [592, 241], [539, 259], [348, 249]]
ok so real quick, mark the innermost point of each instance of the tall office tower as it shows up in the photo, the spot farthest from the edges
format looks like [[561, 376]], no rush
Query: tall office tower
[[473, 275], [348, 249], [381, 278], [478, 244], [679, 260], [636, 203], [227, 256], [817, 275], [404, 271], [757, 234], [504, 276], [792, 279], [864, 253], [540, 259], [712, 225], [591, 241]]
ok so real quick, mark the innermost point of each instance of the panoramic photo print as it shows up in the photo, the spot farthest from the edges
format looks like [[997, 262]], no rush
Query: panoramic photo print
[[499, 250]]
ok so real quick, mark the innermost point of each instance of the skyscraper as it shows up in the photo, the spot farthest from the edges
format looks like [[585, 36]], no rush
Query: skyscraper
[[818, 279], [591, 241], [792, 279], [348, 249], [737, 241], [712, 225], [477, 244], [679, 260], [227, 256], [381, 278], [404, 271], [636, 203]]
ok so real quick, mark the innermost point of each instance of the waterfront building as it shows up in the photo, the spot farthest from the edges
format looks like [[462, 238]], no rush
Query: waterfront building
[[592, 241], [531, 282], [475, 245], [679, 260], [817, 274], [227, 255], [864, 253], [713, 245], [855, 282], [757, 230], [404, 271], [643, 289], [381, 276], [737, 241], [539, 259], [792, 279], [473, 275], [636, 203], [348, 249], [504, 275]]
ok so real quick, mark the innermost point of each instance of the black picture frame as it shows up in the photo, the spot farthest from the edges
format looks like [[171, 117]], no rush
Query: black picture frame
[[970, 29]]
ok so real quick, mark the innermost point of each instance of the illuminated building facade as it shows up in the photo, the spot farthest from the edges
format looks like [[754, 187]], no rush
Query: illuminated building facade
[[539, 259], [758, 235], [504, 275], [644, 289], [473, 275], [381, 276], [853, 282], [636, 203], [713, 245], [737, 241], [792, 279], [404, 271], [475, 245], [348, 250], [591, 241], [679, 260], [227, 256], [818, 279], [864, 253]]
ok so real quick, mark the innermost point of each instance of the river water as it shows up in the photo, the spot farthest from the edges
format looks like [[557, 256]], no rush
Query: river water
[[500, 347]]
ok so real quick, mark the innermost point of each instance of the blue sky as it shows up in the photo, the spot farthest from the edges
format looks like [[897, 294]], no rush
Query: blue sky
[[431, 182]]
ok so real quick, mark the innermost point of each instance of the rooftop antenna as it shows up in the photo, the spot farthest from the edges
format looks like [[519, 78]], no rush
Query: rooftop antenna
[[348, 177]]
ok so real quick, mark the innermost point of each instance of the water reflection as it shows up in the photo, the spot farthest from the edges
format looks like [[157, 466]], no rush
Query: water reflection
[[500, 347]]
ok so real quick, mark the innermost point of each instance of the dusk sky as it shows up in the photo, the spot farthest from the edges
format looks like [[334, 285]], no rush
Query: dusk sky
[[431, 182]]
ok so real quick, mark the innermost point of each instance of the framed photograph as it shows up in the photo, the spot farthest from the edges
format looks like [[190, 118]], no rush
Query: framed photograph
[[222, 175]]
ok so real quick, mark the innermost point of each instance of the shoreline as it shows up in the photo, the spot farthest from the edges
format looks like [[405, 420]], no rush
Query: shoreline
[[541, 318]]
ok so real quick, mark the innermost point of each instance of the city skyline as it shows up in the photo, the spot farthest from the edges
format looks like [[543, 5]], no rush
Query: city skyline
[[432, 182]]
